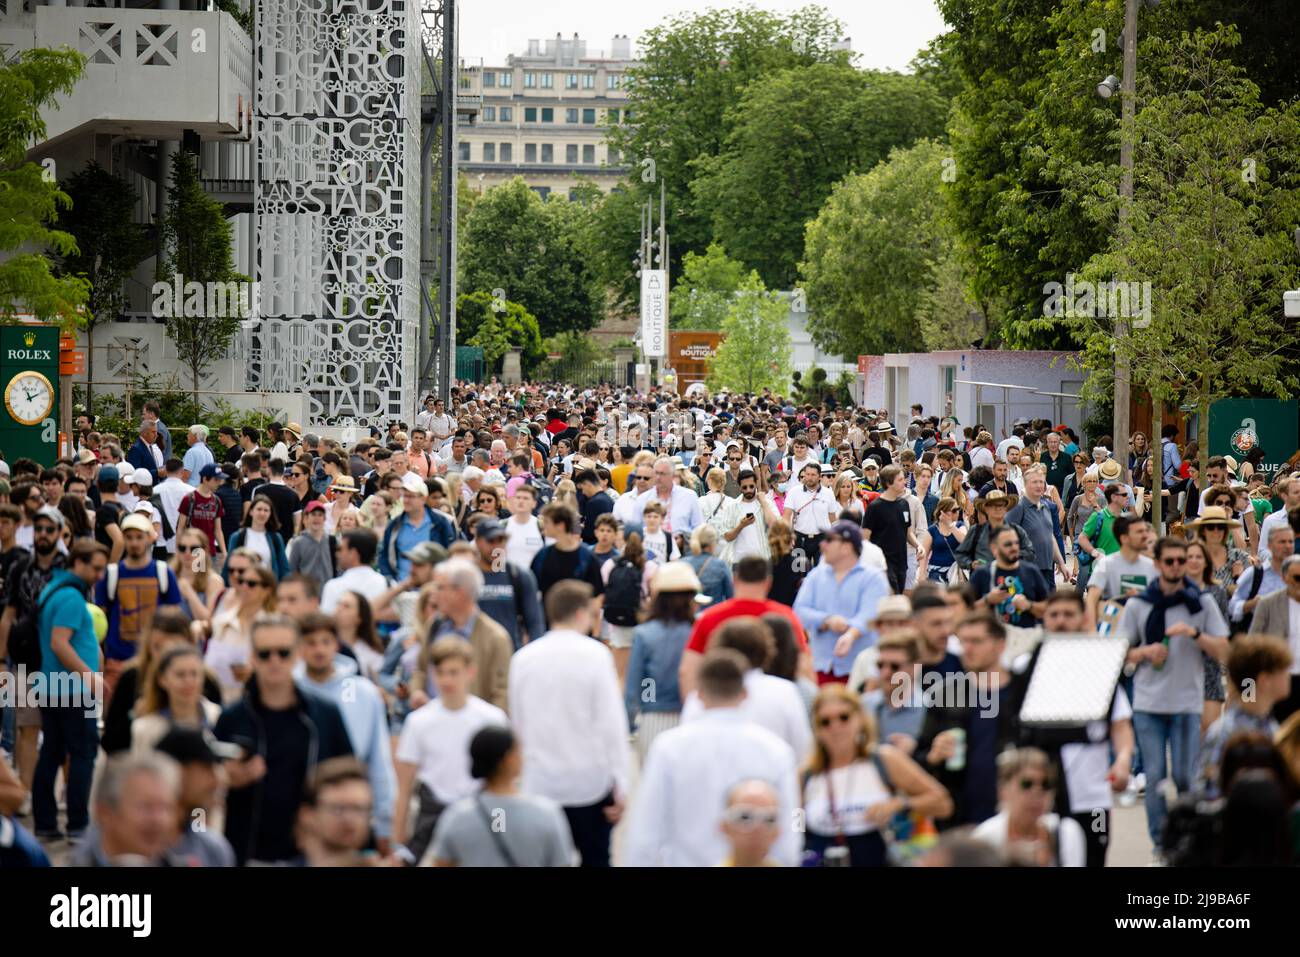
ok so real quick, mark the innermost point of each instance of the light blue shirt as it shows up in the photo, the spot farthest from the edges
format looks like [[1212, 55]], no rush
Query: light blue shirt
[[1271, 582], [408, 536], [855, 598], [1170, 461], [196, 457], [683, 510]]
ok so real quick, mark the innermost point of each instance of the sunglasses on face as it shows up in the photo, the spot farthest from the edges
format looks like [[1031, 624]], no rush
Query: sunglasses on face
[[1173, 560], [750, 817], [249, 582], [264, 654], [826, 720], [1028, 784]]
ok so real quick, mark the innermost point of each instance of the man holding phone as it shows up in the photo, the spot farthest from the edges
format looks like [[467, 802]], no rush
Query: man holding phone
[[750, 517]]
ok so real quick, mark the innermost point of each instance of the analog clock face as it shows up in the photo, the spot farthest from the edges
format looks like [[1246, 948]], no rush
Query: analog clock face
[[29, 398]]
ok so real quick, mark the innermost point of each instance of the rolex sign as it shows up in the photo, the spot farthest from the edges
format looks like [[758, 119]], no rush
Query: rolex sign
[[29, 376]]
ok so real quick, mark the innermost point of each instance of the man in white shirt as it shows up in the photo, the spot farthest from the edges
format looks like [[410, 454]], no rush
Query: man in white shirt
[[433, 750], [810, 509], [770, 702], [793, 464], [524, 538], [357, 549], [681, 505], [627, 507], [747, 520], [691, 768], [1289, 490], [568, 708], [171, 491], [1014, 440]]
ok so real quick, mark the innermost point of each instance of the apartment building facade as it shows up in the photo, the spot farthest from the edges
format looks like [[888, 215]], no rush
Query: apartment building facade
[[545, 115]]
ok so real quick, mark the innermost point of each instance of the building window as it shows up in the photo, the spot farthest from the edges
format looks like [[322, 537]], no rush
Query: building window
[[571, 154], [548, 153], [548, 81], [489, 114], [530, 152], [613, 81], [949, 375], [548, 115], [464, 152], [506, 150], [570, 116], [627, 116], [571, 81], [489, 79], [530, 114], [573, 195], [505, 79], [588, 81], [612, 156], [542, 191], [530, 80], [589, 116], [611, 117], [464, 82], [489, 152], [589, 153], [507, 114]]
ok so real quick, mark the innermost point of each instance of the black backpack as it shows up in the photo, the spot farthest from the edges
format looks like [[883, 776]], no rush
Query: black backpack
[[25, 635], [623, 594], [1256, 580]]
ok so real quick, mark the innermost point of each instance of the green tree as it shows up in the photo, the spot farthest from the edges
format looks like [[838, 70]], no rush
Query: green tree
[[755, 352], [535, 254], [30, 199], [109, 245], [896, 219], [794, 134], [694, 69], [704, 289], [1216, 197], [513, 322], [196, 236]]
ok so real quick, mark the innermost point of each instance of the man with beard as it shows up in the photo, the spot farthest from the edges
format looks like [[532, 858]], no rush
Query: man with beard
[[22, 588], [1013, 590], [748, 519]]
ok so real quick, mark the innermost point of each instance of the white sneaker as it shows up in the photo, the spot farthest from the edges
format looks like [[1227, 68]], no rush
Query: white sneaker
[[1138, 783], [1158, 860]]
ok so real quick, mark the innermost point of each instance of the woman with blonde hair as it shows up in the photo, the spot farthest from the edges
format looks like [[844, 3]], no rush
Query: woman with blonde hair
[[845, 491], [173, 697], [954, 487], [408, 688], [567, 493], [252, 587], [1025, 828], [855, 787], [201, 587], [710, 568], [373, 514]]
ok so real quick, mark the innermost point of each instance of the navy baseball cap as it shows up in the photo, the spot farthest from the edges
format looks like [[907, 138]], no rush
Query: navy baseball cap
[[846, 531], [211, 470]]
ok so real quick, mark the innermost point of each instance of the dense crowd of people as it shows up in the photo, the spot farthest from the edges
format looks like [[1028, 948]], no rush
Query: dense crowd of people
[[749, 631]]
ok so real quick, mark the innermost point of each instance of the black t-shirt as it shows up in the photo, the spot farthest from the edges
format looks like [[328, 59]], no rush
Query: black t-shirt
[[287, 743], [285, 501], [882, 455], [594, 507], [949, 664], [1024, 579], [250, 487], [233, 454], [24, 583], [558, 565], [232, 509], [107, 514], [888, 523], [980, 789]]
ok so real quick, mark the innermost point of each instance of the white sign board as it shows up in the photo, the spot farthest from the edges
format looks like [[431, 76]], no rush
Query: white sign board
[[654, 312]]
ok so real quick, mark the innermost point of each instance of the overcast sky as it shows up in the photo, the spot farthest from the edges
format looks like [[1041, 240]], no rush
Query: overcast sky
[[885, 33]]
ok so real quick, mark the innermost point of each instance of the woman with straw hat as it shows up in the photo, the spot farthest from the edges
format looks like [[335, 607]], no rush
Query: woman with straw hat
[[1213, 529], [343, 495], [651, 689]]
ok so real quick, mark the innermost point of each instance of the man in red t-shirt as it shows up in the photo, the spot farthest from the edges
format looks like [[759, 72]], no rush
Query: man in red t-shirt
[[202, 510], [753, 578]]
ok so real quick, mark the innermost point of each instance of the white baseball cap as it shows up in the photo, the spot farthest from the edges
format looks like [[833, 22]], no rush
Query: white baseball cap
[[142, 477]]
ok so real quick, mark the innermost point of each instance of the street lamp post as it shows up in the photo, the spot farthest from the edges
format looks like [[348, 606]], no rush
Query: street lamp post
[[1128, 87]]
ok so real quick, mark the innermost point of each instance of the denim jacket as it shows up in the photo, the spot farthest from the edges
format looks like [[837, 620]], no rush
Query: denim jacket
[[657, 648]]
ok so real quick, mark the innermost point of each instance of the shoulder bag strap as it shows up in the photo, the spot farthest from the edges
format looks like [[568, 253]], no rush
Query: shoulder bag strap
[[497, 838]]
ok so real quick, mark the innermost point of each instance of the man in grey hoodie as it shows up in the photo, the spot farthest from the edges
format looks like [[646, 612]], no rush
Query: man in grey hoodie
[[365, 715]]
